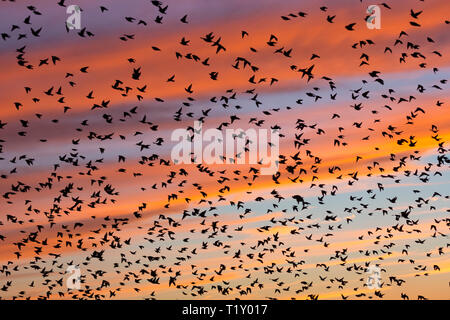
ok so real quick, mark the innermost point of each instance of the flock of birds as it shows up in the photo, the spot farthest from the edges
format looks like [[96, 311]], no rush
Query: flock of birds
[[161, 255]]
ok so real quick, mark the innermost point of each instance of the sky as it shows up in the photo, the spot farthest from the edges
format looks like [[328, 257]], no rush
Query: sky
[[55, 163]]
